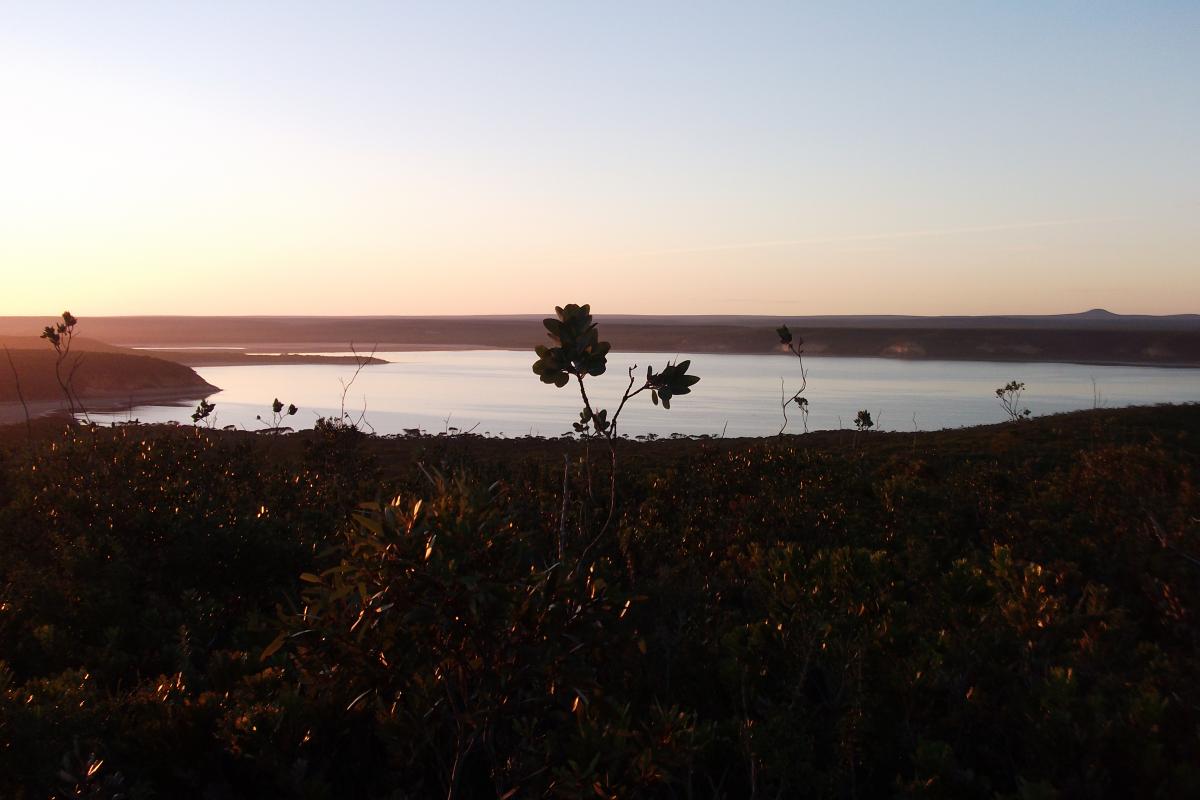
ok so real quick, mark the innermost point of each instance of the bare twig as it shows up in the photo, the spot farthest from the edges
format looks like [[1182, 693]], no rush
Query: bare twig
[[1164, 542], [783, 404], [562, 520], [70, 388], [625, 399], [360, 362], [362, 417], [20, 394], [1098, 400]]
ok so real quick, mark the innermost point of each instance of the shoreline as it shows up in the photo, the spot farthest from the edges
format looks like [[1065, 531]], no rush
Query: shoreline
[[315, 354], [13, 413], [220, 358]]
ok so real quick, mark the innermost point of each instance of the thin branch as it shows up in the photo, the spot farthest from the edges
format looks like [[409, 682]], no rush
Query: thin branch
[[796, 396], [360, 362], [1163, 541], [624, 399], [20, 394], [71, 390], [362, 417], [562, 520], [783, 404]]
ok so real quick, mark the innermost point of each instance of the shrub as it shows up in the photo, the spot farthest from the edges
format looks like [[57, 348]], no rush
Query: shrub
[[467, 661], [1010, 400]]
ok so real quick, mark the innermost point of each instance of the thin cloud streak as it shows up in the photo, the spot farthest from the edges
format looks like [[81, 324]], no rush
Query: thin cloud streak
[[874, 237]]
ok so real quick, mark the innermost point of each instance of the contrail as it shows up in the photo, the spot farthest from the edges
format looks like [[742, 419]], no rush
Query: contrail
[[873, 237]]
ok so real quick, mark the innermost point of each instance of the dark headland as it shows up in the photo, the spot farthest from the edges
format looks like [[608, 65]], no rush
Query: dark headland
[[104, 376]]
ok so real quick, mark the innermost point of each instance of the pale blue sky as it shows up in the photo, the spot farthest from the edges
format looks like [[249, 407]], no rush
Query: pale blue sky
[[650, 157]]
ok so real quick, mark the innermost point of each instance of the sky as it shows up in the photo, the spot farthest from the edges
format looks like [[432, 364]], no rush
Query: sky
[[660, 158]]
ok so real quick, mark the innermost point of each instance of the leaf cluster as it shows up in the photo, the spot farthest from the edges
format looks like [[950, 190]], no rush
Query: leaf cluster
[[577, 349], [203, 410], [59, 334], [672, 381]]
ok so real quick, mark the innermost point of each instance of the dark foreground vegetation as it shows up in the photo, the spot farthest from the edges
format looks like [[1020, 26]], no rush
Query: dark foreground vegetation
[[994, 612]]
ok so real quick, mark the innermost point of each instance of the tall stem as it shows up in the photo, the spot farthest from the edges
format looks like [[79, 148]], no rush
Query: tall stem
[[583, 393], [20, 394], [610, 436], [783, 403]]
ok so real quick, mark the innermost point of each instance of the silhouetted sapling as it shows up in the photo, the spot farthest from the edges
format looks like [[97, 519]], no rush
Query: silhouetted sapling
[[793, 343], [202, 412], [278, 414], [60, 335], [578, 352], [344, 422], [863, 421], [1010, 400]]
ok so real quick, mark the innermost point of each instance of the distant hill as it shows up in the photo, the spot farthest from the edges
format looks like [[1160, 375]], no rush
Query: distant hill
[[1094, 336], [1093, 319], [218, 357], [81, 344]]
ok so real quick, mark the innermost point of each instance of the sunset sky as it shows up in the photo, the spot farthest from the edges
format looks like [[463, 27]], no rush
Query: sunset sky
[[443, 158]]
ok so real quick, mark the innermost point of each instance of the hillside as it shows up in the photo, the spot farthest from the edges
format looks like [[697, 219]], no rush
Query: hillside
[[97, 375], [1000, 612]]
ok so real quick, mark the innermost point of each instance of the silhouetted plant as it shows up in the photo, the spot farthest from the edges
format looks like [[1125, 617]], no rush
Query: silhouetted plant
[[1098, 399], [793, 344], [344, 421], [278, 415], [203, 412], [578, 352], [863, 420], [60, 336], [1010, 400]]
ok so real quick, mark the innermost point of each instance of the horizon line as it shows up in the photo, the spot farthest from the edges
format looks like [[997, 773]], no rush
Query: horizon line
[[540, 314]]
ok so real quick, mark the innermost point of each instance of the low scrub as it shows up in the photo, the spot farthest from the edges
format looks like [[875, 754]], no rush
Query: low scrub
[[998, 612]]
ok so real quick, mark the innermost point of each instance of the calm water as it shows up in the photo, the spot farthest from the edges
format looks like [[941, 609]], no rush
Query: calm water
[[495, 392]]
